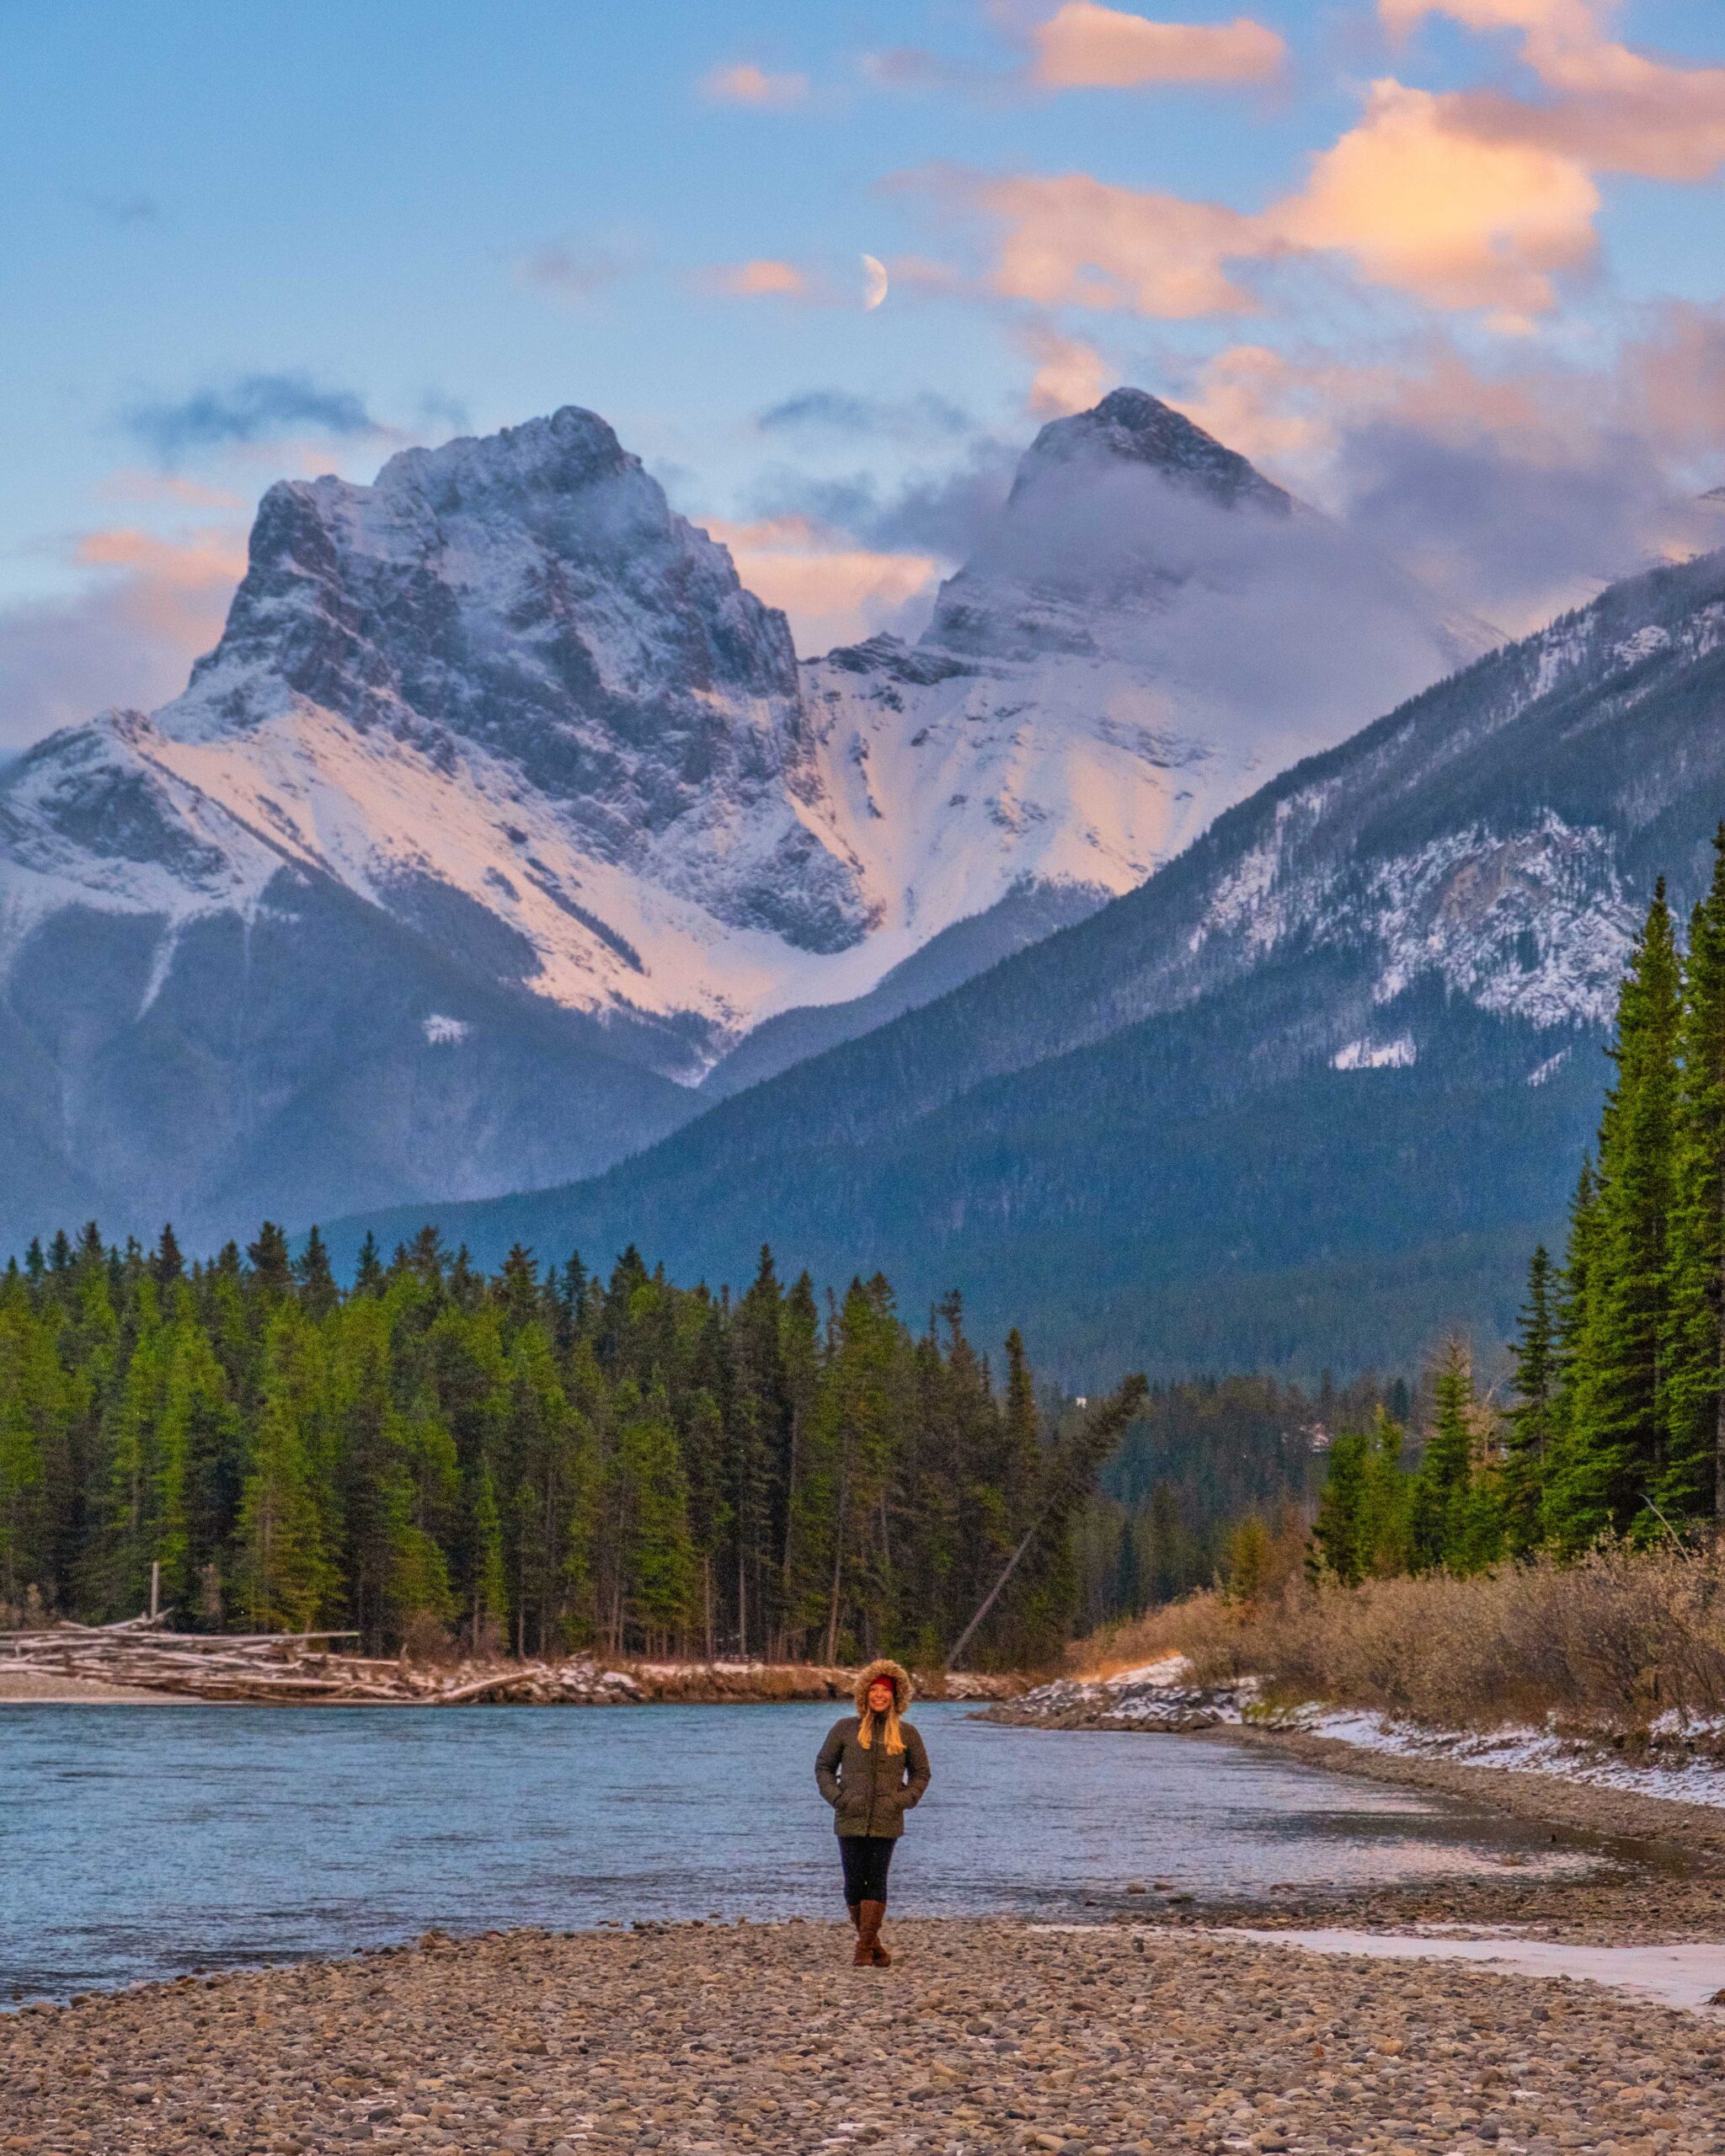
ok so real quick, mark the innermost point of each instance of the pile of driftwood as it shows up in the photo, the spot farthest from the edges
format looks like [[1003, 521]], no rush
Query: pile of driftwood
[[306, 1669], [298, 1668]]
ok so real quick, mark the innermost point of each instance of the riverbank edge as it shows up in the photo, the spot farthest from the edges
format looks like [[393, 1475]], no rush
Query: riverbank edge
[[1695, 1832]]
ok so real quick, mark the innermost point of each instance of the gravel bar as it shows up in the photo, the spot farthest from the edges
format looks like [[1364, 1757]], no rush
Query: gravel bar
[[1128, 2037]]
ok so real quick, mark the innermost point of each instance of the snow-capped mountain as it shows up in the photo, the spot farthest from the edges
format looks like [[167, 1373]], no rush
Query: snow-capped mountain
[[1150, 630], [502, 811], [1309, 1094]]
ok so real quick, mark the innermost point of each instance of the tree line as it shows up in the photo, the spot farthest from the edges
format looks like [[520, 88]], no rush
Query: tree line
[[1206, 1462], [538, 1460], [1617, 1428]]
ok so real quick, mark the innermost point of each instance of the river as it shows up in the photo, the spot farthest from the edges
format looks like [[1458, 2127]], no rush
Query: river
[[138, 1843]]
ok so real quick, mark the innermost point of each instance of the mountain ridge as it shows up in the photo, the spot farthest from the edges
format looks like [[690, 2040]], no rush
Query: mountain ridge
[[1423, 926], [504, 738]]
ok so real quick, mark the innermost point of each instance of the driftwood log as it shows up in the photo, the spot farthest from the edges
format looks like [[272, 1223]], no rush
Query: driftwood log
[[306, 1669]]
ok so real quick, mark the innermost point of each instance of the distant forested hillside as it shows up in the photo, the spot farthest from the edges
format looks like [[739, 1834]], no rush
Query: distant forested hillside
[[537, 1460]]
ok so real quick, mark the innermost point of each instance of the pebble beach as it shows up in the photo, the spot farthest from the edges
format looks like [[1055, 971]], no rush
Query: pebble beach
[[982, 2036], [1150, 2028]]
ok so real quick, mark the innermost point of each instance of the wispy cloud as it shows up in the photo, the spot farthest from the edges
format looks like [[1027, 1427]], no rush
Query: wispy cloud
[[121, 209], [1071, 375], [746, 84], [131, 484], [833, 591], [572, 270], [1462, 200], [912, 67], [838, 412], [1517, 488], [151, 606], [763, 277], [1085, 47], [253, 409]]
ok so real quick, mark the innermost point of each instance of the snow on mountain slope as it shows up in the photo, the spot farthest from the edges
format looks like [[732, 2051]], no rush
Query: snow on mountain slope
[[1306, 1096], [503, 737], [1150, 631]]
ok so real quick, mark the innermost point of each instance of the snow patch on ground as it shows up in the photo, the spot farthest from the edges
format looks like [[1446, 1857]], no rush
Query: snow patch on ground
[[1688, 1780], [1687, 1975]]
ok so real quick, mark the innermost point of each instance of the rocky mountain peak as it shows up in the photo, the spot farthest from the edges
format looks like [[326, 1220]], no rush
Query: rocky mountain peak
[[508, 588], [1130, 427]]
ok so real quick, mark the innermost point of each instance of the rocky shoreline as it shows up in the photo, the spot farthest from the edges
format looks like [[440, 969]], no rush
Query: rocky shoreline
[[1153, 2029], [1161, 1697], [1125, 2037]]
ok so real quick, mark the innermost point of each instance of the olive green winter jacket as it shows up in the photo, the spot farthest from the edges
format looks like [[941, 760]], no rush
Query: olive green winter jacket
[[870, 1791]]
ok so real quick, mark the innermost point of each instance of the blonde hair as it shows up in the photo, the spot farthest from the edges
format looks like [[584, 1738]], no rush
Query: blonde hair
[[895, 1735]]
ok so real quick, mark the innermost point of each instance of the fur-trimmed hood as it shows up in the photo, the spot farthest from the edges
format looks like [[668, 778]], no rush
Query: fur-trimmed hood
[[895, 1674]]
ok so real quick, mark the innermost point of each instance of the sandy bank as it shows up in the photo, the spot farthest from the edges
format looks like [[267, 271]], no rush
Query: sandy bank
[[39, 1688], [983, 2036]]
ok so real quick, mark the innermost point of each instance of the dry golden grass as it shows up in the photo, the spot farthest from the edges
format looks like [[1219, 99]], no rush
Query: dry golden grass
[[1610, 1642]]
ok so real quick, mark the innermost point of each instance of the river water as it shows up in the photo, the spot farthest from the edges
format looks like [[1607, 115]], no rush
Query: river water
[[143, 1841]]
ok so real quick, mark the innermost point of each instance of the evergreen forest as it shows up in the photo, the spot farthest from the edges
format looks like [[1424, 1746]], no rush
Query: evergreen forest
[[535, 1461], [1617, 1430]]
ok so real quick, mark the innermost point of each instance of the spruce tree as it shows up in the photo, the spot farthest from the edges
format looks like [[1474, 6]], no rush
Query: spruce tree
[[657, 1555], [281, 1561], [1337, 1534], [1614, 1442], [36, 1410], [368, 1273], [317, 1291], [1692, 1483], [1528, 1453], [1456, 1519]]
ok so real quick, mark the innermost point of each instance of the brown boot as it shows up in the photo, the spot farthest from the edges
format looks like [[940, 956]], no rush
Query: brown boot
[[870, 1953], [855, 1909]]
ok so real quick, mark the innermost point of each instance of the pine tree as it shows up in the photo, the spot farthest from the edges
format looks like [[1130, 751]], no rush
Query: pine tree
[[1614, 1444], [530, 1455], [317, 1291], [1455, 1521], [167, 1266], [368, 1274], [1338, 1533], [271, 1261], [281, 1563], [1528, 1455], [35, 1411], [1692, 1483], [489, 1596], [657, 1556]]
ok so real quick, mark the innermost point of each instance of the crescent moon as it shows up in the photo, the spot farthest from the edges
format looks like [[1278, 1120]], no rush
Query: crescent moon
[[876, 286]]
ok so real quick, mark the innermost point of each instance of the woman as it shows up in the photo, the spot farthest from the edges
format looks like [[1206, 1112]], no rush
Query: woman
[[872, 1768]]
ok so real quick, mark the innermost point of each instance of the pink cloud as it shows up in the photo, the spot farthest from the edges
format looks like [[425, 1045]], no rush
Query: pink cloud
[[1071, 375], [745, 83], [1413, 200], [1516, 488], [761, 279], [131, 485], [834, 593], [1613, 109], [1427, 206], [1465, 201], [1067, 239], [1085, 47], [152, 607]]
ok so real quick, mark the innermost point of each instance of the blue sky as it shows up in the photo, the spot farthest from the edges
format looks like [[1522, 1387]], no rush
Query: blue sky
[[252, 242]]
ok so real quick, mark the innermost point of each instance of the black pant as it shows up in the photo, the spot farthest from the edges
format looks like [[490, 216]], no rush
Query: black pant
[[865, 1858]]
